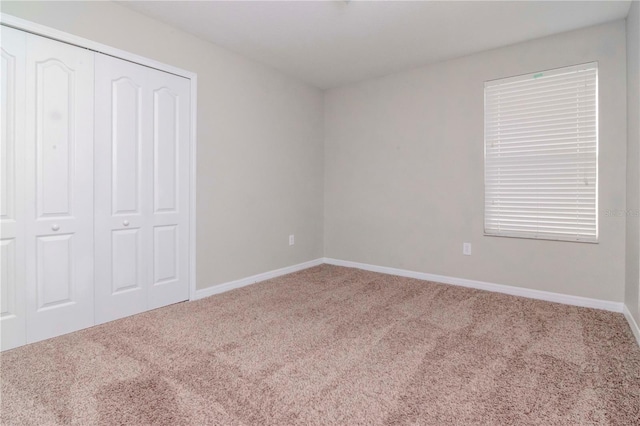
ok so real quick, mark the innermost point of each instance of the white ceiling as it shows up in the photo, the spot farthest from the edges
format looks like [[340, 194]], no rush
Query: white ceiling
[[331, 43]]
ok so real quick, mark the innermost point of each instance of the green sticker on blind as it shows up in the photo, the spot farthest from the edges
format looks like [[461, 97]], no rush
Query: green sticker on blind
[[538, 75]]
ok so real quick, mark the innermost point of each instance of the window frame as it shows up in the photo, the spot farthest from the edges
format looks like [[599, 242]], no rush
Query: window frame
[[530, 234]]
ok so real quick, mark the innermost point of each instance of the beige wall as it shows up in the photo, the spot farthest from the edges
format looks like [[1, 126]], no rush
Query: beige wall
[[259, 141], [404, 171], [632, 298]]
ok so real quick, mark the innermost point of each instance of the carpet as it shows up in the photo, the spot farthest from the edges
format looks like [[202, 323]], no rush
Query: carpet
[[334, 346]]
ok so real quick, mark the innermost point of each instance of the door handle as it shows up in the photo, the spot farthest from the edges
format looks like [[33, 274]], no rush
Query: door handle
[[125, 223], [55, 227]]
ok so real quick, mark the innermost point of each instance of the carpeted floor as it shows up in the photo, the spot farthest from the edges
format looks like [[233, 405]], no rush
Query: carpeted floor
[[332, 345]]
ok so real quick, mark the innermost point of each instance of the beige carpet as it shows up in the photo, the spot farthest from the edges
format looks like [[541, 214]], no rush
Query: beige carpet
[[340, 346]]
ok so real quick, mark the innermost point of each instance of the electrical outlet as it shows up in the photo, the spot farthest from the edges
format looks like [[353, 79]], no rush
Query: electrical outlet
[[466, 249], [292, 239]]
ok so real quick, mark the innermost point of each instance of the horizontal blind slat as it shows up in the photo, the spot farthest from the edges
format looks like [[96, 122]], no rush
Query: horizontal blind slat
[[569, 123], [542, 155], [572, 88], [534, 164], [498, 148], [556, 113], [541, 106], [575, 94]]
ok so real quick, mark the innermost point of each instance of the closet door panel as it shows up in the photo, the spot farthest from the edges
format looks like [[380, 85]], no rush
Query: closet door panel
[[55, 265], [12, 216], [171, 133], [126, 145], [165, 250], [123, 187], [126, 261], [54, 138], [9, 286], [59, 195], [166, 143]]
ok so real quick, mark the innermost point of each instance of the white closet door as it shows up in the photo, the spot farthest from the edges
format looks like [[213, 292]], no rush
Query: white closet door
[[59, 188], [12, 224], [141, 166], [123, 187], [170, 218]]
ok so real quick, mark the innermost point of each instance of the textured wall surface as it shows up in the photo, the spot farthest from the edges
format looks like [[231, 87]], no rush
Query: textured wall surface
[[404, 171]]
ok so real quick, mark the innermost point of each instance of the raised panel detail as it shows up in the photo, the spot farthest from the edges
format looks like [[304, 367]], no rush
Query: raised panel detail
[[7, 154], [165, 144], [165, 254], [55, 142], [7, 277], [54, 271], [125, 253], [126, 146]]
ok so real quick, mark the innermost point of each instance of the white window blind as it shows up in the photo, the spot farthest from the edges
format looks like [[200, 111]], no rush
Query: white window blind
[[541, 155]]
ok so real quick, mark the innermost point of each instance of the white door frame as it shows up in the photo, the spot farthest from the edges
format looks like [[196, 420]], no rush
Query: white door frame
[[44, 31]]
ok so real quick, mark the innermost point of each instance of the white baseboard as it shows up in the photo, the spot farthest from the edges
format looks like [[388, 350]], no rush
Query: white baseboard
[[231, 285], [498, 288], [463, 282], [632, 323]]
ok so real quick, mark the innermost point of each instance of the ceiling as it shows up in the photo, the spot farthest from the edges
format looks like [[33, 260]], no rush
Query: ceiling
[[332, 43]]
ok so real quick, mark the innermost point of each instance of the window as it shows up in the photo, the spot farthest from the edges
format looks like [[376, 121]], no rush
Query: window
[[541, 155]]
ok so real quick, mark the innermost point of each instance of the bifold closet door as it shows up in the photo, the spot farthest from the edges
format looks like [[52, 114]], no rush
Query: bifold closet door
[[122, 171], [59, 188], [12, 164], [142, 181], [170, 189]]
